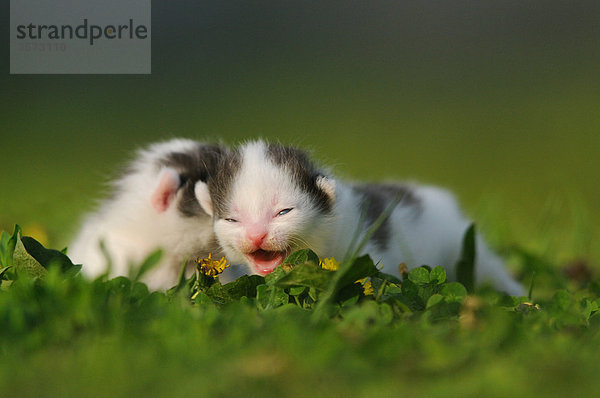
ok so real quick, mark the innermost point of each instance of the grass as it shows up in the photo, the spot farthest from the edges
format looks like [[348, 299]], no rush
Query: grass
[[61, 334]]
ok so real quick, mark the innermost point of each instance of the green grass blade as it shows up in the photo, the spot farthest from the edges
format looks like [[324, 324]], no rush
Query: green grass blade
[[150, 262], [7, 246], [374, 227], [465, 267], [530, 292]]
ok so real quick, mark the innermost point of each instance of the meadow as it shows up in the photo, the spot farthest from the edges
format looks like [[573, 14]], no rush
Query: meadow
[[497, 102]]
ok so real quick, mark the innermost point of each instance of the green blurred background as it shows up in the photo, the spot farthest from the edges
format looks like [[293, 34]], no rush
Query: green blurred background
[[496, 100]]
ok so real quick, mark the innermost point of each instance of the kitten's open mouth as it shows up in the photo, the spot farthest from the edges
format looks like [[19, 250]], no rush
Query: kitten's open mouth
[[264, 262]]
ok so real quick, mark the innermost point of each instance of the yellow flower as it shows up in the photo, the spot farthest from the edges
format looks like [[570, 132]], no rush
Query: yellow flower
[[368, 288], [329, 264], [210, 267]]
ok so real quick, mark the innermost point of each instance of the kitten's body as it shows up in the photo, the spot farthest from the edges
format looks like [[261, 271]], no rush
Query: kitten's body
[[153, 206], [269, 200], [426, 227]]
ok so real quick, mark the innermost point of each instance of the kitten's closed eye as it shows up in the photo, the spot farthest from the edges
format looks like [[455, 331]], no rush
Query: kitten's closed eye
[[231, 220], [284, 212]]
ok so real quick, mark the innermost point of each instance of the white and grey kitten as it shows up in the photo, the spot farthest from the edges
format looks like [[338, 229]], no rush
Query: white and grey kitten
[[268, 200], [153, 205]]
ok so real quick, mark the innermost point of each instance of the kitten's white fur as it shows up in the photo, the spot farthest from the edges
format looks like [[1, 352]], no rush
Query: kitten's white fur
[[141, 217], [262, 189]]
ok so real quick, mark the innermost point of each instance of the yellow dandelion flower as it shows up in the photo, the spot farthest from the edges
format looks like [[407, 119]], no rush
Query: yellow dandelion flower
[[368, 288], [210, 267], [329, 264]]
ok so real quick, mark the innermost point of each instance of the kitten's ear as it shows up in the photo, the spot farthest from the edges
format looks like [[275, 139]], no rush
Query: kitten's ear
[[203, 196], [165, 190], [327, 185]]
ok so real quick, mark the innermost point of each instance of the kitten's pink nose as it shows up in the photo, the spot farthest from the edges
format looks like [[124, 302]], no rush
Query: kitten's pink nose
[[257, 239]]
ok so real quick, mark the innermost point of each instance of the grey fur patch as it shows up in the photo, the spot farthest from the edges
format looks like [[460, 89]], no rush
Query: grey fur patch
[[377, 197], [197, 164], [219, 185], [303, 171]]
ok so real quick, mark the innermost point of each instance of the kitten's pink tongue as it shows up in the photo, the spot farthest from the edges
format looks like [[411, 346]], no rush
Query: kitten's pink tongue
[[264, 262]]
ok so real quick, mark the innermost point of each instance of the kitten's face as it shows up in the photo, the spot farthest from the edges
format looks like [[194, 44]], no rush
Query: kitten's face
[[266, 220], [267, 215]]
